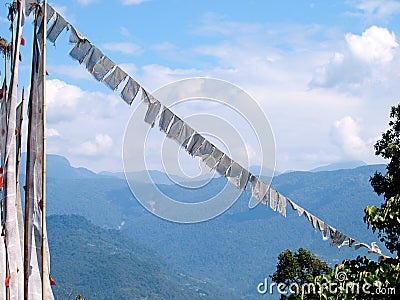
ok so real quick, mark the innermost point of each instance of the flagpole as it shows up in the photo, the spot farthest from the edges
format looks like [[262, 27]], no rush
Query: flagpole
[[45, 274]]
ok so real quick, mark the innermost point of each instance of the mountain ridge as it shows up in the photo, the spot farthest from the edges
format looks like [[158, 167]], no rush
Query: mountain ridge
[[105, 264], [239, 248]]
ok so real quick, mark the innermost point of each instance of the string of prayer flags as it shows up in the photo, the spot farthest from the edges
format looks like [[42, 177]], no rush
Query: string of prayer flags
[[100, 65]]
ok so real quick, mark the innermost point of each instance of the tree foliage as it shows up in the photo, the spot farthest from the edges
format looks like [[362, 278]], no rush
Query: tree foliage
[[363, 277], [297, 269], [386, 219]]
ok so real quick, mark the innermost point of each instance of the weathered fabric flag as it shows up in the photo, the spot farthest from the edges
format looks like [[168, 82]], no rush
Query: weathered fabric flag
[[58, 26], [34, 181], [115, 78], [80, 51], [195, 143], [12, 230], [129, 91], [311, 218], [337, 237], [3, 140], [212, 160], [324, 228], [223, 165], [102, 67], [175, 128], [205, 149], [92, 58], [50, 13], [153, 107], [18, 158], [165, 119], [273, 199], [184, 135], [234, 173], [74, 35], [3, 124], [282, 205]]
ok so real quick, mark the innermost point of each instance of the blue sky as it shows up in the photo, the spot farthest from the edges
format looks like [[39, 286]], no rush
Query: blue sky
[[324, 72]]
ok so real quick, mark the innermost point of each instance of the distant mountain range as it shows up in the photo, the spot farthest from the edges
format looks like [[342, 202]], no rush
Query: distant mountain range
[[340, 166], [105, 264], [237, 250]]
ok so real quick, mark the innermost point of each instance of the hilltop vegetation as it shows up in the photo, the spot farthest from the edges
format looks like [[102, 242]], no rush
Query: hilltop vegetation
[[105, 264]]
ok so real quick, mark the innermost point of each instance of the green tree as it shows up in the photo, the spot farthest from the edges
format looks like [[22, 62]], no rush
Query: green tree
[[364, 278], [360, 278], [386, 219], [298, 268]]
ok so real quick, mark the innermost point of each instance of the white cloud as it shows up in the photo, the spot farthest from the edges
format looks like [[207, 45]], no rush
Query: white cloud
[[133, 2], [74, 114], [62, 100], [72, 71], [366, 61], [375, 9], [375, 45], [215, 24], [126, 48], [85, 2], [99, 145], [278, 78], [125, 32], [66, 102], [51, 132], [346, 134]]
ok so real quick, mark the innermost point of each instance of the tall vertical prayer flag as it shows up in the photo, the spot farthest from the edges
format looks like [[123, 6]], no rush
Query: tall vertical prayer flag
[[34, 179]]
